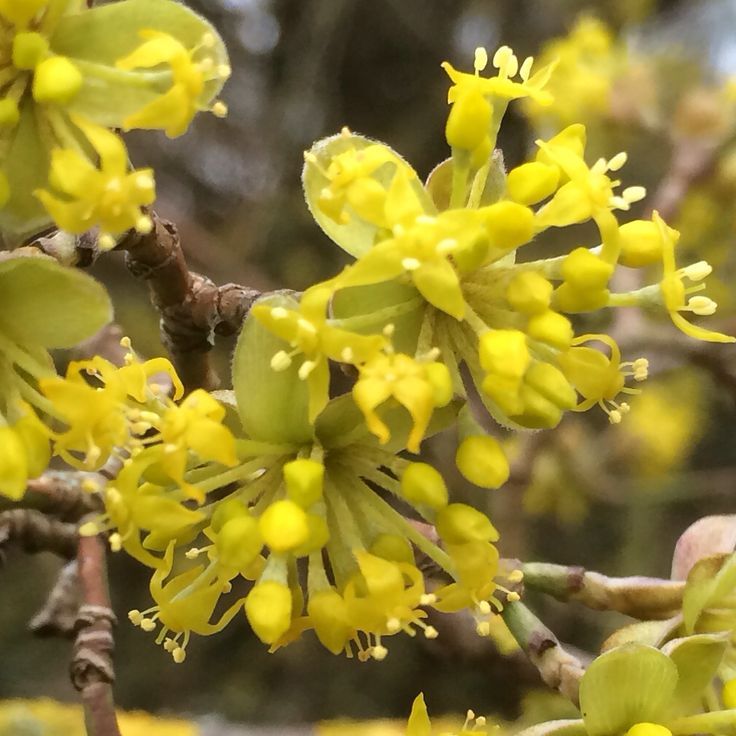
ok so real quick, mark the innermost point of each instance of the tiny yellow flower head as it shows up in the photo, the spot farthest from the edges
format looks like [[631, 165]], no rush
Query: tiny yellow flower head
[[599, 379], [309, 333], [422, 484], [184, 605], [472, 98], [482, 461], [648, 729], [676, 295], [268, 608], [196, 426], [418, 387], [173, 110], [284, 526], [588, 64], [304, 481], [328, 614], [110, 196], [13, 464], [383, 599]]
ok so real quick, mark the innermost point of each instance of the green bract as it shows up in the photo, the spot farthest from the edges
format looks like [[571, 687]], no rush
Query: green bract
[[273, 405], [343, 159], [46, 304], [638, 684]]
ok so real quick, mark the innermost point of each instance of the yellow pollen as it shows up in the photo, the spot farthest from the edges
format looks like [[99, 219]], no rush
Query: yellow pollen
[[480, 61], [378, 652], [306, 368]]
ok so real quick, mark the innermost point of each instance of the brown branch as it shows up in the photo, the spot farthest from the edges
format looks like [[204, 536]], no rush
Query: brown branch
[[91, 668], [192, 308], [58, 494], [58, 616], [32, 531]]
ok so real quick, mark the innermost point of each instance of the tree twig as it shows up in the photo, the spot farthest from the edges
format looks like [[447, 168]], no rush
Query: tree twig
[[58, 494], [638, 596], [33, 532], [58, 616], [91, 669], [558, 668], [192, 308]]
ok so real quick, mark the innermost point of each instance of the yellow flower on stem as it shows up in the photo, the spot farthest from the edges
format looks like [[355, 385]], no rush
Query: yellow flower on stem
[[309, 333], [676, 295], [196, 425], [110, 196], [184, 605], [173, 110], [599, 379], [418, 387]]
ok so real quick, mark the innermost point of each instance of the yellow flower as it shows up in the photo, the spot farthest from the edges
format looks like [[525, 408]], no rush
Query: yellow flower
[[420, 388], [132, 506], [309, 333], [599, 379], [383, 599], [25, 451], [473, 120], [196, 425], [184, 605], [173, 110], [588, 193], [100, 418], [589, 63], [110, 196], [676, 296]]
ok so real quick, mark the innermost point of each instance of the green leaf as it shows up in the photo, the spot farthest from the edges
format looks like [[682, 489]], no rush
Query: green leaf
[[357, 236], [98, 37], [370, 308], [710, 580], [26, 167], [652, 633], [628, 685], [273, 406], [48, 304], [697, 659]]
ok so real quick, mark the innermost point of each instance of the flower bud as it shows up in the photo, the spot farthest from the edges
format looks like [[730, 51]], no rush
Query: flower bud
[[552, 328], [304, 480], [481, 461], [459, 523], [239, 543], [529, 292], [504, 352], [532, 182], [284, 526], [268, 609], [422, 484], [56, 79]]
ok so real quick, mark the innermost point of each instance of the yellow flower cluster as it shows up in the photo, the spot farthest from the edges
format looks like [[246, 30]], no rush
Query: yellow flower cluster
[[62, 90]]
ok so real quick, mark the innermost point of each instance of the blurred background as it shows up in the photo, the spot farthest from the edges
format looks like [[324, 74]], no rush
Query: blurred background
[[655, 78]]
